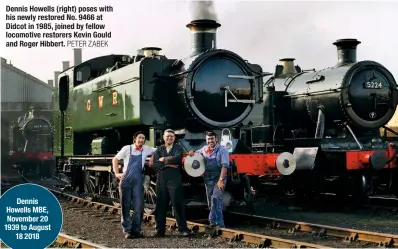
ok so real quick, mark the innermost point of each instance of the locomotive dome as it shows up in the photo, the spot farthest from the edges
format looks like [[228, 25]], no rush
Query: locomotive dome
[[219, 86]]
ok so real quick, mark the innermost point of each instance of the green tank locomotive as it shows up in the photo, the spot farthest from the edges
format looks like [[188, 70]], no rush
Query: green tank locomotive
[[102, 102]]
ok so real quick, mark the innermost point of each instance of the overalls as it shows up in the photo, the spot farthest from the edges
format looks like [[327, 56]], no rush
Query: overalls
[[132, 188], [214, 194]]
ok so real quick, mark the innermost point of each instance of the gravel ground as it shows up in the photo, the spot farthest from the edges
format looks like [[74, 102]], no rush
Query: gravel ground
[[88, 225], [106, 230], [375, 221], [93, 226]]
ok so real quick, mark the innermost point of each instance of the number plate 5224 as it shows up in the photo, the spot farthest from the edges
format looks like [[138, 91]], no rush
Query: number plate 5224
[[373, 85]]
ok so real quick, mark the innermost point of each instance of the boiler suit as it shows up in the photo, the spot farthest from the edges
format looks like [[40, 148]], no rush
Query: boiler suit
[[214, 161], [132, 189]]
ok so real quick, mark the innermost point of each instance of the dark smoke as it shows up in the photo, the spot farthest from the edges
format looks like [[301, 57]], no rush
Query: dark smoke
[[203, 10]]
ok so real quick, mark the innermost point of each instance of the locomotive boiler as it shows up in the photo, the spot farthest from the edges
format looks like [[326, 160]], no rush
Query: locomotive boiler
[[321, 128], [31, 145], [105, 100]]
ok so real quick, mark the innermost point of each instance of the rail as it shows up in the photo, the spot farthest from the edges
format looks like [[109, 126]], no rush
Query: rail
[[230, 234], [349, 235], [67, 241], [385, 240]]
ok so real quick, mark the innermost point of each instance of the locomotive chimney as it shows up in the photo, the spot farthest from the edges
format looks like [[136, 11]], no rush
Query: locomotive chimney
[[77, 56], [203, 35], [346, 51], [32, 112], [288, 66]]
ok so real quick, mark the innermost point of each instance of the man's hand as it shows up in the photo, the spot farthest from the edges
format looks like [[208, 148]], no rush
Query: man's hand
[[221, 185], [119, 176], [191, 153], [161, 159]]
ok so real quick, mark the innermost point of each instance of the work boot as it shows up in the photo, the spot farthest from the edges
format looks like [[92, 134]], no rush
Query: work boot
[[213, 225], [137, 235]]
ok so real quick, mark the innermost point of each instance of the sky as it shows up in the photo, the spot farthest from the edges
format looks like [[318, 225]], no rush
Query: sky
[[260, 31]]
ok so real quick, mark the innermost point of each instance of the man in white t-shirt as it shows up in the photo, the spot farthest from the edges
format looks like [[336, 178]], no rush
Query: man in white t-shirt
[[131, 186]]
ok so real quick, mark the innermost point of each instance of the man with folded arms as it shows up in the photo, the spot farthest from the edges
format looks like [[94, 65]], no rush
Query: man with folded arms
[[167, 160]]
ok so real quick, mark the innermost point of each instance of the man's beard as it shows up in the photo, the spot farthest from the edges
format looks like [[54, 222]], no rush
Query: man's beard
[[169, 143]]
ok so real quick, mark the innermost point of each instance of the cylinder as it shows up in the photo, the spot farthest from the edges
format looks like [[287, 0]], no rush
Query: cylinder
[[203, 35], [346, 51]]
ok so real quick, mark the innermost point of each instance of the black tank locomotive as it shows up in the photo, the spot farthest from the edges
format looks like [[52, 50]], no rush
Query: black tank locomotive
[[31, 145], [330, 120]]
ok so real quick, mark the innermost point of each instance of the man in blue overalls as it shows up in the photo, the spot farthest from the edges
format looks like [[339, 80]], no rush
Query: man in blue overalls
[[131, 186], [216, 167]]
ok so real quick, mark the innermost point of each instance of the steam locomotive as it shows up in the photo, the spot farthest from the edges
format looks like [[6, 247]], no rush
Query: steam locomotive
[[321, 129], [102, 102], [31, 145], [308, 131]]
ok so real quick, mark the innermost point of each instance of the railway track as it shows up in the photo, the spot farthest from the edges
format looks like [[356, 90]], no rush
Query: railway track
[[198, 228], [323, 235], [66, 241], [348, 235], [231, 235], [303, 234]]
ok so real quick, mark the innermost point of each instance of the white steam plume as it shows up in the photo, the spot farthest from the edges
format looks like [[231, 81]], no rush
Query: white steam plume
[[203, 10]]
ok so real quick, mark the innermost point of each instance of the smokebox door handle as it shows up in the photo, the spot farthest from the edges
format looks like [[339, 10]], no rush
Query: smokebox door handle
[[111, 114]]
